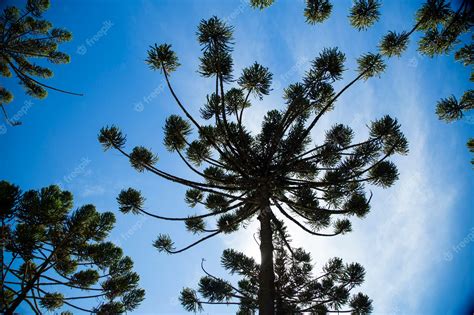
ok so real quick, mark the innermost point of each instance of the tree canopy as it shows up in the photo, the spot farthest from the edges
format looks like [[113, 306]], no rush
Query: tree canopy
[[363, 13], [53, 257], [444, 27], [26, 35], [275, 172], [298, 289]]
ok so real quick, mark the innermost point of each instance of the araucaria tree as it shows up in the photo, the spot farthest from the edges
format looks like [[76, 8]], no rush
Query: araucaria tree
[[363, 13], [297, 289], [277, 172], [25, 35], [52, 257], [444, 27]]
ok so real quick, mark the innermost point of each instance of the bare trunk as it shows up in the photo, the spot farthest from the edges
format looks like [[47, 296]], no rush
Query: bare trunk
[[2, 302], [267, 275], [28, 286]]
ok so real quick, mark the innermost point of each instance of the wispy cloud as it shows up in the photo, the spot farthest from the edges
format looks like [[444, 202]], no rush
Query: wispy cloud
[[399, 241], [92, 190]]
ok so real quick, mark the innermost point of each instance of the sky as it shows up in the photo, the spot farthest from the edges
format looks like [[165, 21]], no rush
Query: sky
[[417, 243]]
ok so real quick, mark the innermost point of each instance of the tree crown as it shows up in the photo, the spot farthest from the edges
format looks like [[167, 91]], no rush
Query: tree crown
[[242, 173], [53, 248]]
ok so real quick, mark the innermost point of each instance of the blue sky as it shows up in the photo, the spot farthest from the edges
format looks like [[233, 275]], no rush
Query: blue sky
[[417, 242]]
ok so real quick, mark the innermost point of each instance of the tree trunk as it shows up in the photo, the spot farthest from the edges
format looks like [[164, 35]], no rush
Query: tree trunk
[[28, 286], [267, 276], [2, 291], [22, 296]]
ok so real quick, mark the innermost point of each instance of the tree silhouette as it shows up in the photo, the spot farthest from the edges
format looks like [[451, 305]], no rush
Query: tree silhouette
[[26, 35], [470, 146], [278, 170], [450, 109], [363, 13], [51, 251], [261, 4], [442, 26], [298, 290]]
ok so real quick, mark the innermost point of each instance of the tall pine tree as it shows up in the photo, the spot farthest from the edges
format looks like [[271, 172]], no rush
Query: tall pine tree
[[52, 257], [278, 171], [297, 289], [25, 35]]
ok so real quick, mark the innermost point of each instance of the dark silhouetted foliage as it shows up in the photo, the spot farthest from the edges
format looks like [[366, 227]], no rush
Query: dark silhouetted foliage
[[470, 146], [241, 175], [363, 13], [26, 35], [261, 4], [53, 257], [443, 26], [298, 289]]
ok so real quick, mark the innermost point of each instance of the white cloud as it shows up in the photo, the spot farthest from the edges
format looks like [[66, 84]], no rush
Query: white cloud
[[92, 190]]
